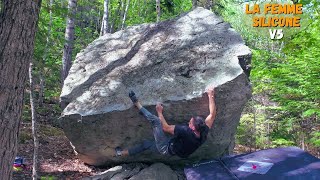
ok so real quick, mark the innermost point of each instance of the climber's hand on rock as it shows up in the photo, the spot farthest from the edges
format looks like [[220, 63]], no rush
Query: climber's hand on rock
[[159, 108], [210, 91]]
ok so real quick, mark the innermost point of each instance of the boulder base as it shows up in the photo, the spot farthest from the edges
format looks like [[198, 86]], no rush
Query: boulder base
[[138, 171]]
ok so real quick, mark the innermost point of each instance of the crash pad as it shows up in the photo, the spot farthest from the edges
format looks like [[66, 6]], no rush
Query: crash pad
[[279, 163]]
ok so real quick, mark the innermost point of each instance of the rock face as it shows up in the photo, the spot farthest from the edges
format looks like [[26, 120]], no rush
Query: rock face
[[172, 62], [156, 171], [138, 171]]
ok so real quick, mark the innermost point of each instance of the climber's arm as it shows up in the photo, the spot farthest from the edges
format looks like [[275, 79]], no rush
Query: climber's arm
[[165, 126], [212, 107]]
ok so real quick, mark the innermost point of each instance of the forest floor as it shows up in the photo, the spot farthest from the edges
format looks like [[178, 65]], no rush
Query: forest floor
[[56, 157]]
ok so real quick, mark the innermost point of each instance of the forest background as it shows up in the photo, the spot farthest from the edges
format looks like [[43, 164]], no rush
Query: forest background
[[285, 75]]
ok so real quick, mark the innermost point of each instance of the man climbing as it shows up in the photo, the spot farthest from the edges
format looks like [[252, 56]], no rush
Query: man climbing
[[186, 138]]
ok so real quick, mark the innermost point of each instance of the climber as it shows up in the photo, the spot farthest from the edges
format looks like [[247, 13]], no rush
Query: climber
[[186, 138]]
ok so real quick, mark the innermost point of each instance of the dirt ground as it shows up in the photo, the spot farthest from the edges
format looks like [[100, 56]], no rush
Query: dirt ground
[[56, 157]]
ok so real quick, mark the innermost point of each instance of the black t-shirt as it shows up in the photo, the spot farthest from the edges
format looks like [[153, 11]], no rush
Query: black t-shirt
[[185, 141]]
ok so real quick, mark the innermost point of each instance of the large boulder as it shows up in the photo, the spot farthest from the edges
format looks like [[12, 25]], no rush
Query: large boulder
[[172, 62]]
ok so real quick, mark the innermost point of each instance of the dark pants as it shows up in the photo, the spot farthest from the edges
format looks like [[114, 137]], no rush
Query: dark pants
[[161, 140]]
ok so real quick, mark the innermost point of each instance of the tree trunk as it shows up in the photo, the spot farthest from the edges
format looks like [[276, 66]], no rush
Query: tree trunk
[[110, 19], [121, 12], [34, 126], [194, 4], [69, 37], [117, 13], [254, 135], [209, 4], [98, 22], [139, 8], [41, 91], [105, 19], [18, 23], [268, 132], [158, 10], [44, 57], [125, 14]]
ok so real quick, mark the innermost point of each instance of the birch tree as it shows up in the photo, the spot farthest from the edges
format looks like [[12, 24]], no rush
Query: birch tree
[[158, 10], [69, 38], [34, 126], [18, 23], [121, 13], [125, 14], [105, 19]]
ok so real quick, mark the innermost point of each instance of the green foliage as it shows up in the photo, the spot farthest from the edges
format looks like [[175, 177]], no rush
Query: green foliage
[[51, 131], [245, 133], [48, 178], [24, 137], [173, 8], [281, 142], [286, 73], [26, 113], [48, 47], [315, 140], [144, 11]]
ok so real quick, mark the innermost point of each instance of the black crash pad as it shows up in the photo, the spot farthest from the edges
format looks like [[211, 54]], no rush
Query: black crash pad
[[280, 163]]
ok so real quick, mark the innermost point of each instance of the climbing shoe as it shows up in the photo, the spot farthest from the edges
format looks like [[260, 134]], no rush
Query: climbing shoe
[[118, 151], [133, 97]]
